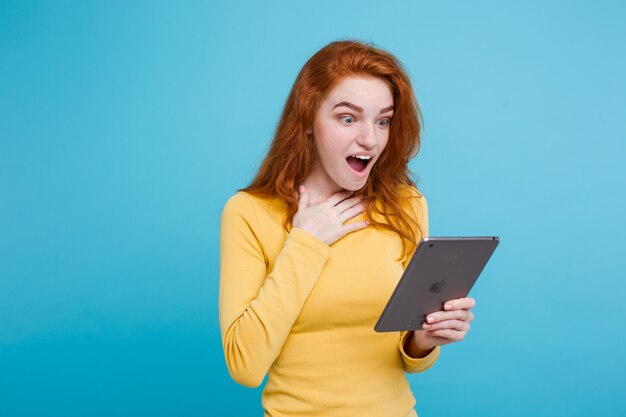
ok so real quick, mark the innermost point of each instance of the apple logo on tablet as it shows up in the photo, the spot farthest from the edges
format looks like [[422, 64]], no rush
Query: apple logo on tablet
[[437, 286]]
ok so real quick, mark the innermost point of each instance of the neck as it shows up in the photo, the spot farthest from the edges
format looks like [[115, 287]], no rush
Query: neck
[[320, 186]]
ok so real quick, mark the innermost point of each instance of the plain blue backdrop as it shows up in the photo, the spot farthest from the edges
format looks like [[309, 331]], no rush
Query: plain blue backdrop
[[125, 126]]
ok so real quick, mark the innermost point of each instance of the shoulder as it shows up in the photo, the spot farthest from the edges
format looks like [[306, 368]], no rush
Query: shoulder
[[240, 203], [252, 207], [415, 205], [413, 197], [407, 190]]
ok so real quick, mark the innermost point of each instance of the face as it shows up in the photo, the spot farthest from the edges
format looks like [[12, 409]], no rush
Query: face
[[351, 130]]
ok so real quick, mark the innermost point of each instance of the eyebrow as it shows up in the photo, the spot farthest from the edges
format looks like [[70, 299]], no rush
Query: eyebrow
[[360, 109]]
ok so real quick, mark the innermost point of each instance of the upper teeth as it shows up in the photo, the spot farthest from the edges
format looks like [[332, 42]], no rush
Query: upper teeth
[[363, 156]]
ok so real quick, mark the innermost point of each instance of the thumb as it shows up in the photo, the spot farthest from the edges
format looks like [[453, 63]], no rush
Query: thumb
[[304, 197]]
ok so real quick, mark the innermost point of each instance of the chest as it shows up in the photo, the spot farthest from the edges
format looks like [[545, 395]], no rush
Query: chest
[[356, 282]]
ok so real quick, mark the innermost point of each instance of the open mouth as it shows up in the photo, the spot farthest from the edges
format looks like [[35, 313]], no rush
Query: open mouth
[[358, 162]]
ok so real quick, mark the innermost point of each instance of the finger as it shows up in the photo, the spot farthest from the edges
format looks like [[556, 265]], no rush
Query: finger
[[459, 304], [459, 325], [339, 197], [353, 227], [348, 203], [449, 334], [439, 316], [352, 212], [303, 202]]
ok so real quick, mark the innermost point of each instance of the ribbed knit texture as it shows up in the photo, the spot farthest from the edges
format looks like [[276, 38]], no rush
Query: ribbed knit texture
[[304, 312]]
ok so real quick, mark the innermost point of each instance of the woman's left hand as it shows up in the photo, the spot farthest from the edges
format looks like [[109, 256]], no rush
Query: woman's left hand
[[446, 326]]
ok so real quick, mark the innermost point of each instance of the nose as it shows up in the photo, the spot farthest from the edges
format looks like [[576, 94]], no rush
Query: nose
[[367, 137]]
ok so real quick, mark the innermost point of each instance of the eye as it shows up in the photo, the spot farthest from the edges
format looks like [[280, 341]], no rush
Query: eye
[[384, 122], [347, 119]]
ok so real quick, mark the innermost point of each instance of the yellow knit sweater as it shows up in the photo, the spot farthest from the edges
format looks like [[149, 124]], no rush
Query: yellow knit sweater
[[303, 312]]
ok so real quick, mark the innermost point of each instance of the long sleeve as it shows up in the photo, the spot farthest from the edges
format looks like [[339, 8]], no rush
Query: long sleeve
[[413, 365], [257, 310]]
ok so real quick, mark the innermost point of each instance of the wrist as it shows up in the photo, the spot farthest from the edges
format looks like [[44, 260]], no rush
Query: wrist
[[416, 346]]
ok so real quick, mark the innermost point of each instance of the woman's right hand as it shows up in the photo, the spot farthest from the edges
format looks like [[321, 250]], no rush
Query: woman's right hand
[[325, 220]]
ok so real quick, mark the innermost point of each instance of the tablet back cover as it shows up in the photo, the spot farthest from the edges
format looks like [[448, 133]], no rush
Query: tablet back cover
[[441, 269]]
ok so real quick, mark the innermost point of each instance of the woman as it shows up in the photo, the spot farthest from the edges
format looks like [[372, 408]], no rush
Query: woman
[[313, 248]]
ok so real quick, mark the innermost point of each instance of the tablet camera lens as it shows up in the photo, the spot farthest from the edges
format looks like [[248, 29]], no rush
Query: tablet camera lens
[[431, 245]]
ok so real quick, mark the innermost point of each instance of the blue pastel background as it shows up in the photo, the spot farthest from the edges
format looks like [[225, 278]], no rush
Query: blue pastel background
[[125, 126]]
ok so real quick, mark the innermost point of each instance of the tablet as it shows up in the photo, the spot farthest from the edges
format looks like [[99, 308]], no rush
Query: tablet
[[441, 269]]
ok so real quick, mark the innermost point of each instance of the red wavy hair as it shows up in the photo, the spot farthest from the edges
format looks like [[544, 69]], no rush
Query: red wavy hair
[[292, 152]]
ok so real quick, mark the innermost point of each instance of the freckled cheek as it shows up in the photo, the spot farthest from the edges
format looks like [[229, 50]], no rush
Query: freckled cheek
[[329, 149], [337, 140], [382, 144]]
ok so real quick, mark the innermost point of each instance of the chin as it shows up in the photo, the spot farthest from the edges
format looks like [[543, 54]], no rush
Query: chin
[[351, 186]]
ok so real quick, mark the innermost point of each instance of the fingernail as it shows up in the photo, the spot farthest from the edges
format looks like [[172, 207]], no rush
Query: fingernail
[[426, 326], [431, 319], [302, 188], [447, 306]]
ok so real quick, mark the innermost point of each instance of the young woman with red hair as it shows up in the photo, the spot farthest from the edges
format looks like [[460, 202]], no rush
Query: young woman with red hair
[[312, 249]]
